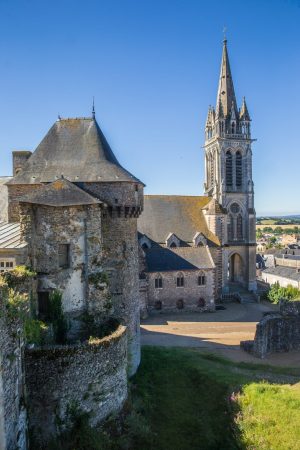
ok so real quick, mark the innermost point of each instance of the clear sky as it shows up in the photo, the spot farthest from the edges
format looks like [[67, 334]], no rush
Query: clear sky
[[153, 67]]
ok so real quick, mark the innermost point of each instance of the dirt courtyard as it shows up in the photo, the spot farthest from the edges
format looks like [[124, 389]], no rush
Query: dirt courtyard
[[219, 332]]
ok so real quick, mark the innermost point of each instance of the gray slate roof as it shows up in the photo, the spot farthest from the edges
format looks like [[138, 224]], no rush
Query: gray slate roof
[[59, 193], [76, 149], [182, 215], [163, 259], [285, 272], [10, 236]]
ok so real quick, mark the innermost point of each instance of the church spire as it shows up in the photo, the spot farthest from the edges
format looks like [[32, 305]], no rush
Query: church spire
[[244, 114], [226, 95]]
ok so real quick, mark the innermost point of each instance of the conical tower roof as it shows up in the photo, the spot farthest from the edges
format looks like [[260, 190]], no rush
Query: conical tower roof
[[226, 95], [76, 149]]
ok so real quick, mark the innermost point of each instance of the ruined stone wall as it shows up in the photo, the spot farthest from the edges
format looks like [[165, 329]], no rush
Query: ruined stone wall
[[91, 376], [13, 418], [277, 332], [170, 295], [45, 228]]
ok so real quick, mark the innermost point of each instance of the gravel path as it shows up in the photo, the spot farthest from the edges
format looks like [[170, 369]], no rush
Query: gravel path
[[220, 332]]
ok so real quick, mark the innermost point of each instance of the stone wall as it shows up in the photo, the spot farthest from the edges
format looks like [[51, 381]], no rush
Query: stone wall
[[277, 332], [45, 228], [91, 376], [272, 278], [172, 297], [120, 262], [3, 199], [13, 419]]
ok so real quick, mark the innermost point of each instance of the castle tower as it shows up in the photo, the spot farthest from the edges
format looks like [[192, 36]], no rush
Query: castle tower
[[228, 179]]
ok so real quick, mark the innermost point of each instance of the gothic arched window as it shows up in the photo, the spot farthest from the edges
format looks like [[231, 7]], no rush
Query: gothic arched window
[[232, 128], [201, 279], [228, 168], [239, 227], [158, 281], [230, 228], [238, 169], [180, 280]]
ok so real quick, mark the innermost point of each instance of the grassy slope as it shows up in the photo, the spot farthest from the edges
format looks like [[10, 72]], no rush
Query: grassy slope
[[187, 397], [182, 399]]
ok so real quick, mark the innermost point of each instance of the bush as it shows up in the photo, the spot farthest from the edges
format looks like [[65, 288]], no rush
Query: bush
[[35, 331], [277, 293], [56, 317]]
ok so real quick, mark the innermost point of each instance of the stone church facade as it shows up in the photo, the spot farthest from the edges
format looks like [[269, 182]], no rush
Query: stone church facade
[[196, 249]]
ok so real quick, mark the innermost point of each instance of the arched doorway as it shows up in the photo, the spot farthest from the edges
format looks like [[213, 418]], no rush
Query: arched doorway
[[235, 269]]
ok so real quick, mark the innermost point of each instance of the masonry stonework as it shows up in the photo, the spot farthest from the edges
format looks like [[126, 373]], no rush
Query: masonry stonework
[[91, 376]]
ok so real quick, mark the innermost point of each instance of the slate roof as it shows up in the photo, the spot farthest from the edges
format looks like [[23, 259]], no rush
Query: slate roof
[[10, 236], [163, 259], [60, 193], [285, 272], [182, 215], [76, 149]]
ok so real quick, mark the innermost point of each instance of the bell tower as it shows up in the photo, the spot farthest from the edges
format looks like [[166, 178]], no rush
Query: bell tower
[[228, 179]]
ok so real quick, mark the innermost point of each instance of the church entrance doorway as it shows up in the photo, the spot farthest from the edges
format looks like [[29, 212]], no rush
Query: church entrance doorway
[[235, 269]]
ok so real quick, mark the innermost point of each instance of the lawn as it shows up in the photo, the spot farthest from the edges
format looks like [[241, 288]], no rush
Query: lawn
[[182, 399]]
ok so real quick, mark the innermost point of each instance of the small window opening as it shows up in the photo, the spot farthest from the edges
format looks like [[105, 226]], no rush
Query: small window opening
[[180, 304], [180, 280], [158, 282], [64, 255], [201, 280]]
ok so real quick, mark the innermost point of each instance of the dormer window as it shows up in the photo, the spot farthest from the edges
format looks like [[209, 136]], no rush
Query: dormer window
[[172, 241], [199, 240], [145, 242]]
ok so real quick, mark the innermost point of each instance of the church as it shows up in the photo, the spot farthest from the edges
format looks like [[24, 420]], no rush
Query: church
[[196, 249]]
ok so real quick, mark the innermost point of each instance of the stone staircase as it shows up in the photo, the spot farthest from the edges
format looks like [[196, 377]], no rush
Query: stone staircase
[[240, 294]]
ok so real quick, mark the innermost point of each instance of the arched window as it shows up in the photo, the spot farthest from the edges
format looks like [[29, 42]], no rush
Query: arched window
[[228, 167], [238, 169], [173, 245], [201, 279], [230, 228], [239, 227], [158, 282], [200, 244], [232, 128], [180, 280]]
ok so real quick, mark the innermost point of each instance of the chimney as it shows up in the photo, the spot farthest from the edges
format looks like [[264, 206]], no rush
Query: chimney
[[20, 158]]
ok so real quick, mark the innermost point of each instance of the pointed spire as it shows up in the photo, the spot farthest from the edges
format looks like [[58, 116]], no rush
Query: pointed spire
[[208, 119], [226, 95], [244, 114], [93, 109], [220, 112]]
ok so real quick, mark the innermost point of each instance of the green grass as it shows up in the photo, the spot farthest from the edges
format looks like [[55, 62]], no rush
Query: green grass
[[183, 399], [270, 416]]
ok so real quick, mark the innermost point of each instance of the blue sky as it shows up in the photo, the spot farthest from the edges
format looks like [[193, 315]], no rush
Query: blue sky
[[153, 67]]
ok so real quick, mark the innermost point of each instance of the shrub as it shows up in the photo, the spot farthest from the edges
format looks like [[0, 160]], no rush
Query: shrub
[[56, 317], [277, 293]]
